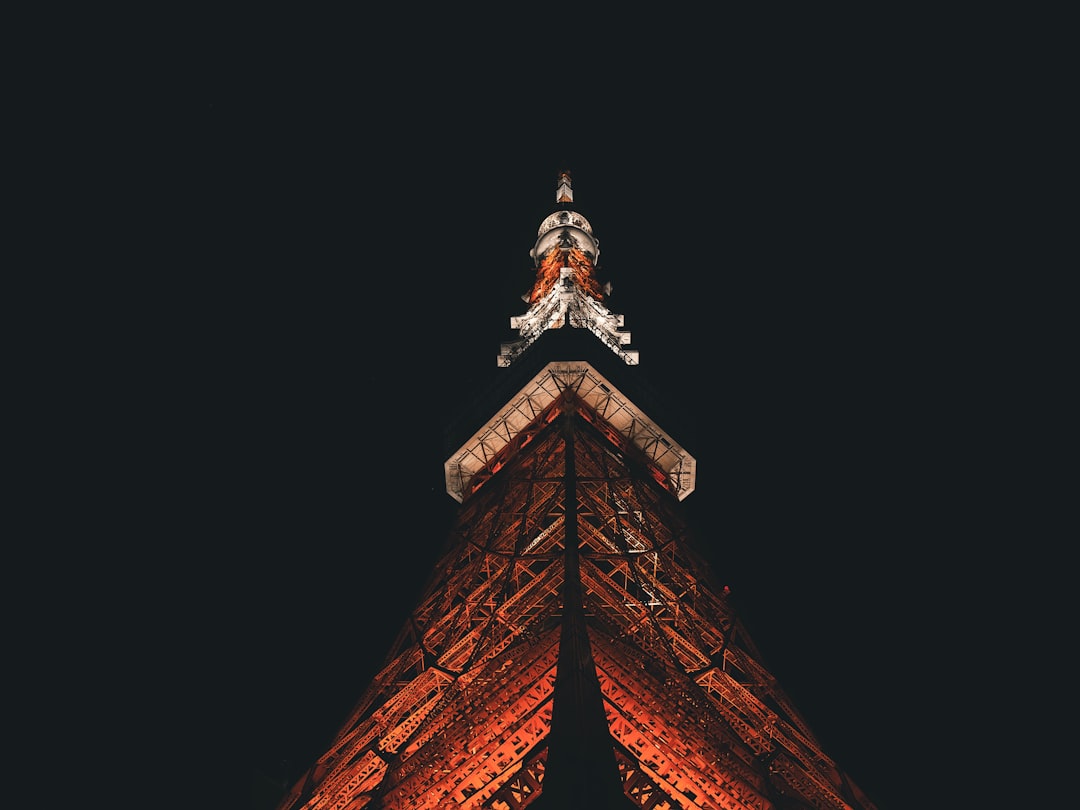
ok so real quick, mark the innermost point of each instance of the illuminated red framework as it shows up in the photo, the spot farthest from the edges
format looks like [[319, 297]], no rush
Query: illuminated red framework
[[461, 714], [571, 648]]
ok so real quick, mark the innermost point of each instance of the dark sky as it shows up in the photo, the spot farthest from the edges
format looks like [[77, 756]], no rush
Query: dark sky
[[779, 247]]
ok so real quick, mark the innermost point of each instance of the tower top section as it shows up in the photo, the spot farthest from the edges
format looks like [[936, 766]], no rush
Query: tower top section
[[565, 225], [566, 292], [565, 193]]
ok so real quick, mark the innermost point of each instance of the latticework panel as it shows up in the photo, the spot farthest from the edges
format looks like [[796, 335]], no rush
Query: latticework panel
[[460, 714]]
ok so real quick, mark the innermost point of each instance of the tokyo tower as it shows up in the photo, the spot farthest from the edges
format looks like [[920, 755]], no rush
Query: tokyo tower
[[571, 648]]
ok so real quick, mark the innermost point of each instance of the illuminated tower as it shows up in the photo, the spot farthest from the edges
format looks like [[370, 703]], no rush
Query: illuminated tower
[[571, 648]]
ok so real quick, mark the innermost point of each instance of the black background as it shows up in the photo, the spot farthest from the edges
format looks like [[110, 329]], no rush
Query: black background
[[785, 233]]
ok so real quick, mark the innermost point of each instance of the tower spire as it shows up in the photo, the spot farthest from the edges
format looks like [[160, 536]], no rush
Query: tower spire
[[564, 193], [566, 291]]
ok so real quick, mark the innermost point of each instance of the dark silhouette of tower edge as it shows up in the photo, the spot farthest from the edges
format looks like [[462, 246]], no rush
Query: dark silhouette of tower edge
[[571, 648]]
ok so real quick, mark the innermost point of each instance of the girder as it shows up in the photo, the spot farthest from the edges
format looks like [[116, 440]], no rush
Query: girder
[[466, 695], [483, 455]]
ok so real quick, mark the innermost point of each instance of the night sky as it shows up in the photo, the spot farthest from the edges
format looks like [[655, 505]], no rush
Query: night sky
[[780, 255]]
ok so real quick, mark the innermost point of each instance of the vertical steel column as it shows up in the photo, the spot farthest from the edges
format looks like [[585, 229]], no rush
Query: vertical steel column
[[581, 769]]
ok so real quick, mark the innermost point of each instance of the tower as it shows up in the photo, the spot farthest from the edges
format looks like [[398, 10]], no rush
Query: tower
[[571, 648]]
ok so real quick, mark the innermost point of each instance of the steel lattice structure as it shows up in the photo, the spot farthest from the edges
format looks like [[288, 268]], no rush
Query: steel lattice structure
[[571, 648]]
